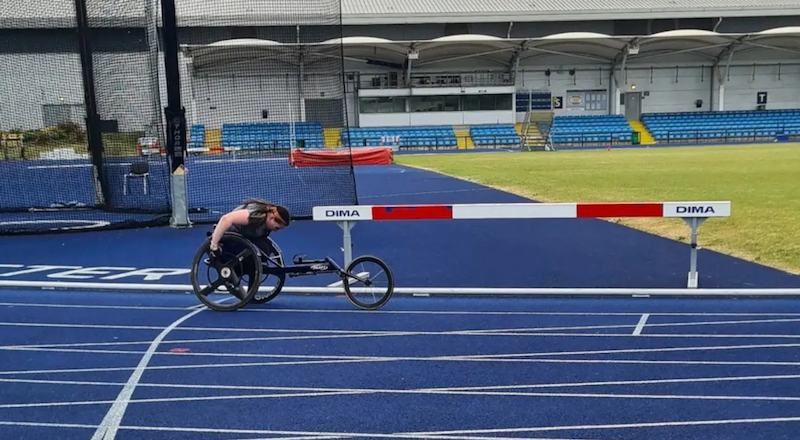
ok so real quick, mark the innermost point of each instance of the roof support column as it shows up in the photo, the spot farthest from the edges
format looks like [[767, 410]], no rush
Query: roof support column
[[615, 77], [723, 79], [301, 68], [621, 60], [191, 114], [412, 54], [513, 65]]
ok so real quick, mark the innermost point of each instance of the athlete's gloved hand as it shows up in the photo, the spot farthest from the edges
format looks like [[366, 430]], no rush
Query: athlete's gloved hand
[[214, 251]]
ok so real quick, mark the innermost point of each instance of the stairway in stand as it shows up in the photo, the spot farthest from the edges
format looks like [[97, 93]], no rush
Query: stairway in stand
[[534, 130], [332, 137], [645, 137], [463, 137]]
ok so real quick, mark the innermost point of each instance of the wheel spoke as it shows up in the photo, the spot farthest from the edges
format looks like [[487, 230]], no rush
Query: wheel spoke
[[244, 254], [237, 291], [214, 286]]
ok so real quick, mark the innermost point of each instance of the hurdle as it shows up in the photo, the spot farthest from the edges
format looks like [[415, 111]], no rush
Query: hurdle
[[692, 213]]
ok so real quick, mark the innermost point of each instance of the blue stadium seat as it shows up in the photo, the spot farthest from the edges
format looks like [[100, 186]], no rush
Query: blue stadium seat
[[504, 134], [730, 125], [271, 136], [434, 136], [590, 129], [197, 136]]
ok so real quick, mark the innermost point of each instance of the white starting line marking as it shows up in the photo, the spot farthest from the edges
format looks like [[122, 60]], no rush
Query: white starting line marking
[[75, 165], [640, 326]]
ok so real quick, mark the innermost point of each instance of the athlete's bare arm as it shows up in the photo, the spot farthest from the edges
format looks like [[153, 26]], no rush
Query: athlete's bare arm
[[238, 217]]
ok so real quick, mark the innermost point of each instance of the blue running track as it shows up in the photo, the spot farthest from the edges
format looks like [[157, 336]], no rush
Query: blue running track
[[126, 364], [81, 365]]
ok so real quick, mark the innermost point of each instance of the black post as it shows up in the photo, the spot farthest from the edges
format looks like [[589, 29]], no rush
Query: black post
[[175, 113], [93, 132]]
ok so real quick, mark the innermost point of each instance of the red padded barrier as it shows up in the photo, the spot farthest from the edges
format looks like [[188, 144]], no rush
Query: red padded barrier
[[360, 156]]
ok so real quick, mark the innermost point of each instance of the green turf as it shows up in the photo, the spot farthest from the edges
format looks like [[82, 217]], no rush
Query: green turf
[[761, 181]]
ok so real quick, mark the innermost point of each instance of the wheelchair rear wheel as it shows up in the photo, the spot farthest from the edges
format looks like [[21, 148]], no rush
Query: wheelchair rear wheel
[[275, 280], [237, 269]]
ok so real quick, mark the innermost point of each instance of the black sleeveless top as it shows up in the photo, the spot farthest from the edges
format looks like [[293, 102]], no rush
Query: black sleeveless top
[[257, 226]]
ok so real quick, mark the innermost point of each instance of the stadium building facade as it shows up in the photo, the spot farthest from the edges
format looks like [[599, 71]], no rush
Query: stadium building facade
[[405, 63]]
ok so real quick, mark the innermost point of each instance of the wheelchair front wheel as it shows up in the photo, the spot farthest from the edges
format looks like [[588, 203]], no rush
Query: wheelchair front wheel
[[237, 268], [367, 270]]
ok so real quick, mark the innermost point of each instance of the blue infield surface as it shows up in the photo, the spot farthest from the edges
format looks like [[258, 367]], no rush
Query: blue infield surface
[[79, 365]]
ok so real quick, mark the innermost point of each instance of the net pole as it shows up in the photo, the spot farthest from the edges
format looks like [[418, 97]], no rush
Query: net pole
[[93, 132], [175, 116], [157, 123]]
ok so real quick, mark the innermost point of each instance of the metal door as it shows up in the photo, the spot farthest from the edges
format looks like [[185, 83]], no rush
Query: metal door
[[633, 106]]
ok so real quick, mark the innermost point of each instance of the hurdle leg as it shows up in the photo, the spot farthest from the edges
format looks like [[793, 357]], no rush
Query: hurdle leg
[[693, 223], [347, 245]]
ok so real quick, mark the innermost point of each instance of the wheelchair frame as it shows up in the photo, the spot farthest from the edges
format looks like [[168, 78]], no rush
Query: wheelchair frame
[[300, 267]]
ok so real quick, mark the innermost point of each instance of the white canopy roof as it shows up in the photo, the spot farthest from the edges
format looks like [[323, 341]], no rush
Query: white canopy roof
[[214, 13], [592, 47]]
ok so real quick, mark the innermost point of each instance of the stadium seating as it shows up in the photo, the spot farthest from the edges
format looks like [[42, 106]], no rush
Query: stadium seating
[[197, 137], [271, 136], [750, 124], [491, 135], [434, 136], [590, 129]]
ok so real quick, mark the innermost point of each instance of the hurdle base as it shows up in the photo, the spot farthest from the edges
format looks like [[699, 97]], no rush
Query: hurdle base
[[347, 240], [694, 223], [692, 280]]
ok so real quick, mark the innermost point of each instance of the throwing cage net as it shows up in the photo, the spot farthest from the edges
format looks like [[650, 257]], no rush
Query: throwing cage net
[[250, 92]]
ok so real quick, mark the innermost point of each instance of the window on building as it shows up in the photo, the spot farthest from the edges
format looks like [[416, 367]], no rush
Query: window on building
[[596, 100], [383, 104]]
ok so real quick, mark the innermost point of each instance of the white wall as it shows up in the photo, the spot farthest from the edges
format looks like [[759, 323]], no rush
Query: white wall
[[238, 94], [671, 89], [222, 99], [436, 118], [560, 81], [28, 81], [122, 86], [742, 87]]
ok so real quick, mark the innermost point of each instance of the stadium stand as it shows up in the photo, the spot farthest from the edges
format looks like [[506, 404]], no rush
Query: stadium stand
[[197, 138], [434, 136], [271, 136], [728, 125], [592, 129], [494, 135], [565, 130]]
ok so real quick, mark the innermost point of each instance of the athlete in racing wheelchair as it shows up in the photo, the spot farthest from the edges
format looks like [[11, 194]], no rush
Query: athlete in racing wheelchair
[[239, 246]]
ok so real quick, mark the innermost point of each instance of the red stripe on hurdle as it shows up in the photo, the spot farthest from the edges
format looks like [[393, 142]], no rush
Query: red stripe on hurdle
[[425, 212], [597, 210]]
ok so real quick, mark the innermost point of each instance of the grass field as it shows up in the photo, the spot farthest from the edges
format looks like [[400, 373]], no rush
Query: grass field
[[761, 181]]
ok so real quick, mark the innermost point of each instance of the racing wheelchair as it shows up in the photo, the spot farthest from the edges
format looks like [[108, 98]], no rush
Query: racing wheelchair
[[242, 268]]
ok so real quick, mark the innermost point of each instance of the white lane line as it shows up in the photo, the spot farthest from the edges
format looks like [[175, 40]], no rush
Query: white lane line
[[640, 326], [107, 430]]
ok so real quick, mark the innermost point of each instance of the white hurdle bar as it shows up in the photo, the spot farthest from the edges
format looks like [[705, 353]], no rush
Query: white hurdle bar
[[693, 213]]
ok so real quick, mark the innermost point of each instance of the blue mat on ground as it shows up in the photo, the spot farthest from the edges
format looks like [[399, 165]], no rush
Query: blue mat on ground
[[216, 184], [309, 367]]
